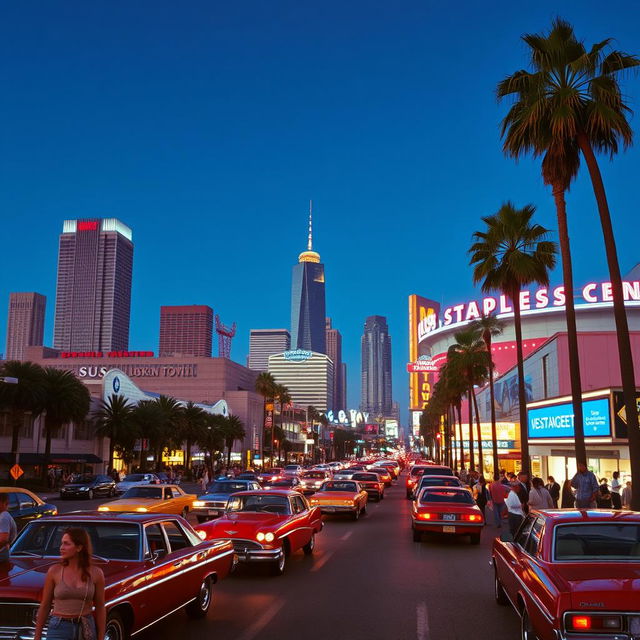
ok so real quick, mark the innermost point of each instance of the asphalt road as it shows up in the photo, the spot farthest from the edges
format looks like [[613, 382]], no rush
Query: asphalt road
[[366, 580]]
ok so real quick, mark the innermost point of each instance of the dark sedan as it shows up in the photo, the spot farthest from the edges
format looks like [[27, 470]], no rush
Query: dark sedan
[[25, 506], [85, 485]]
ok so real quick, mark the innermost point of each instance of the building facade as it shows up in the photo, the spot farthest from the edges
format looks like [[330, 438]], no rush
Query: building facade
[[376, 395], [25, 323], [93, 293], [307, 375], [334, 351], [186, 330], [264, 343]]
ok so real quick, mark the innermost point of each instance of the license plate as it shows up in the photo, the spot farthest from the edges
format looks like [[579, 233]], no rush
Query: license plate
[[634, 624], [448, 529], [213, 512], [448, 516]]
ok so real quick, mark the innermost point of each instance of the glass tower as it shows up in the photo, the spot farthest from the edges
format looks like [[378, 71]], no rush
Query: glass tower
[[376, 367]]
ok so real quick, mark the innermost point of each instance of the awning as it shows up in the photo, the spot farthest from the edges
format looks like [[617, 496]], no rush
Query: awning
[[55, 458]]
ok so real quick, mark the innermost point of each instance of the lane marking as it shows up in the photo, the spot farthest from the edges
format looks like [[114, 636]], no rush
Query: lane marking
[[323, 560], [262, 621], [422, 622], [346, 535]]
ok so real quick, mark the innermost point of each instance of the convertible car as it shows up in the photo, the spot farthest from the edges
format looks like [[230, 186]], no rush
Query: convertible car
[[159, 498], [266, 526], [153, 565], [341, 496], [572, 575]]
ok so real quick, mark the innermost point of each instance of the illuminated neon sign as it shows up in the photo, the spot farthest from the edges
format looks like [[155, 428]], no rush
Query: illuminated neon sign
[[297, 355], [109, 354]]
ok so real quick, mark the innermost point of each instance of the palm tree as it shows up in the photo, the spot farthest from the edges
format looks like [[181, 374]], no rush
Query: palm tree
[[147, 418], [167, 434], [25, 397], [572, 103], [281, 393], [265, 386], [232, 429], [113, 420], [451, 386], [211, 439], [511, 253], [66, 400], [472, 358], [192, 422], [489, 326]]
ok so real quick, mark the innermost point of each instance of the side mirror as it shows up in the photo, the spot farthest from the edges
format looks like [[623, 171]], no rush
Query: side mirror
[[506, 536]]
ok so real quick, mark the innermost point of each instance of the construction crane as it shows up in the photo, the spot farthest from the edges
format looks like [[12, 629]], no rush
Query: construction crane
[[225, 334]]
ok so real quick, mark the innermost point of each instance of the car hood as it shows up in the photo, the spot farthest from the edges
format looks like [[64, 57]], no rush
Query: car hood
[[241, 524], [214, 496], [616, 586], [134, 502], [77, 485]]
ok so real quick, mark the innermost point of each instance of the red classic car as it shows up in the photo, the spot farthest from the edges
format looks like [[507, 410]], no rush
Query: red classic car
[[572, 575], [153, 565], [450, 510], [266, 526]]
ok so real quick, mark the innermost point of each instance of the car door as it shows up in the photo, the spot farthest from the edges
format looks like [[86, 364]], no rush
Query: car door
[[511, 574], [26, 508], [183, 558], [153, 604], [299, 527]]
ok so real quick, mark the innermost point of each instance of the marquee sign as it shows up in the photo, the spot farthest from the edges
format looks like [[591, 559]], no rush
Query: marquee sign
[[297, 355], [108, 354]]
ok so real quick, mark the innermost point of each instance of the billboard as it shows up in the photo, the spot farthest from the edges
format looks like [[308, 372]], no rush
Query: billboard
[[556, 421], [423, 318]]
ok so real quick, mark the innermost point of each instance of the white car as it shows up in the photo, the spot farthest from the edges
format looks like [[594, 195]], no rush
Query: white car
[[136, 480], [292, 470]]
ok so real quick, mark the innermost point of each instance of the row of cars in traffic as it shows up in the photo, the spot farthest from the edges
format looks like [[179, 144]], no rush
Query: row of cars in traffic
[[155, 562]]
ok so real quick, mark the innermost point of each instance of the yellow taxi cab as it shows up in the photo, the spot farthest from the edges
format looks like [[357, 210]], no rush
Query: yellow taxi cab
[[154, 498], [341, 496]]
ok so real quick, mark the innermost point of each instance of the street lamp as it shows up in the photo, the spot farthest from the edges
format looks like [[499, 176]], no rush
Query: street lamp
[[9, 380]]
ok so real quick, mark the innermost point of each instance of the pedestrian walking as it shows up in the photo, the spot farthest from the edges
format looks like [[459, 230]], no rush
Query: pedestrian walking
[[554, 490], [498, 492], [568, 497], [515, 513], [204, 481], [626, 496], [616, 486], [72, 602], [8, 529], [539, 496], [481, 494], [586, 486]]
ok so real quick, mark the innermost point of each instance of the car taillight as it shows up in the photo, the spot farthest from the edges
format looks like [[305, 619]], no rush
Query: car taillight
[[472, 517], [582, 622], [410, 481], [426, 516]]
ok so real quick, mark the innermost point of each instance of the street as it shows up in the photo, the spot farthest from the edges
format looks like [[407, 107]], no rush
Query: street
[[366, 579]]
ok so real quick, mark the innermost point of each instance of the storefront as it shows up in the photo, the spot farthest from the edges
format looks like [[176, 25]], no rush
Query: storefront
[[507, 440]]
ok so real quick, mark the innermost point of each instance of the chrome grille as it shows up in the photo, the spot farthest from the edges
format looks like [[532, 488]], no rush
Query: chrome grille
[[243, 545], [18, 617]]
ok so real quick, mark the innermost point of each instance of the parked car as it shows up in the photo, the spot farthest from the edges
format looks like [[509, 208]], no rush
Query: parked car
[[213, 503], [25, 506], [88, 485], [136, 480], [153, 565], [266, 527], [161, 498], [341, 496], [572, 574]]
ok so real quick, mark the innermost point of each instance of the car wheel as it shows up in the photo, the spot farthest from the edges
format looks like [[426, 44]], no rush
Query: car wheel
[[185, 512], [199, 607], [277, 569], [498, 590], [310, 546], [474, 538], [90, 494], [364, 510], [356, 514], [115, 629], [417, 536], [526, 630]]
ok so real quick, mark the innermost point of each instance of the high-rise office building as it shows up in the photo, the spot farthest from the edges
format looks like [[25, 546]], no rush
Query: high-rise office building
[[308, 301], [25, 324], [376, 367], [334, 351], [264, 343], [93, 294], [186, 330], [344, 386]]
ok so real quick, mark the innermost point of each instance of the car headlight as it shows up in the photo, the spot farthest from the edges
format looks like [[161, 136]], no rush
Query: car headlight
[[269, 537], [84, 488], [260, 536], [103, 508], [198, 503], [142, 509], [265, 537]]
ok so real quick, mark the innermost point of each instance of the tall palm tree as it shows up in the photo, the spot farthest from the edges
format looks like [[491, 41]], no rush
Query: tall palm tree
[[113, 420], [192, 422], [489, 326], [511, 253], [167, 435], [281, 394], [27, 397], [232, 429], [265, 386], [451, 384], [211, 439], [572, 103], [147, 417], [471, 356], [66, 400]]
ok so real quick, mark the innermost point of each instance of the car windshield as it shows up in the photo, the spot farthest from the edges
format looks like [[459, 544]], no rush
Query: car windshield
[[434, 481], [226, 487], [313, 474], [339, 486], [143, 492], [430, 496], [603, 541], [81, 478], [417, 471], [259, 502], [280, 482], [365, 477], [437, 471], [111, 540], [134, 477]]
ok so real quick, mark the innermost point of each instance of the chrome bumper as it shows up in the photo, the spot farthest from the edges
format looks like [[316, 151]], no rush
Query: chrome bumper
[[259, 555], [336, 509]]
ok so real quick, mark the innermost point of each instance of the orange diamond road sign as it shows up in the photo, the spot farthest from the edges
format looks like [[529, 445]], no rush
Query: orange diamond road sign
[[16, 471]]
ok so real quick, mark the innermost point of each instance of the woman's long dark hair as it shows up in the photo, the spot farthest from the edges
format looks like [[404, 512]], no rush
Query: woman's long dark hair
[[80, 538]]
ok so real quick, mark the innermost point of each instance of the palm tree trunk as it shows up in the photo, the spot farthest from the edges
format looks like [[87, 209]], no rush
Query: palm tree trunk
[[492, 400], [472, 462], [459, 409], [48, 431], [619, 314], [229, 447], [187, 460], [572, 330], [522, 398], [480, 452], [452, 427]]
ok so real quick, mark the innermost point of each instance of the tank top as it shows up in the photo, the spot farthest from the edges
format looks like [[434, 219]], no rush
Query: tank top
[[68, 600]]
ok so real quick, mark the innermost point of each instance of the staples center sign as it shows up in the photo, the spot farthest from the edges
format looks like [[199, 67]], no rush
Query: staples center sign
[[543, 298]]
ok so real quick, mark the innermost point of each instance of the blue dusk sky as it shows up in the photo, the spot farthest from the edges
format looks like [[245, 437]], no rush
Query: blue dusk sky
[[207, 126]]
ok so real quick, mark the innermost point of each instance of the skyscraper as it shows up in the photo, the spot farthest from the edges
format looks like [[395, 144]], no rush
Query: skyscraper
[[25, 326], [376, 367], [186, 330], [307, 300], [334, 351], [264, 343], [344, 386]]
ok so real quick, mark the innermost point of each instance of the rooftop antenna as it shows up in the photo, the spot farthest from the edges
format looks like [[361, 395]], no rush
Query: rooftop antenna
[[310, 241]]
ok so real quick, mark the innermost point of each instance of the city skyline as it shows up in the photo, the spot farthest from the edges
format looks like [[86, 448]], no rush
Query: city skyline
[[380, 156], [377, 382]]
